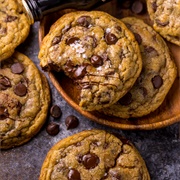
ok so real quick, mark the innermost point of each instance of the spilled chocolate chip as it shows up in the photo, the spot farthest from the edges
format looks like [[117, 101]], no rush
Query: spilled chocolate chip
[[110, 38], [79, 72], [71, 122], [74, 174], [137, 7], [10, 18], [17, 68], [157, 81], [3, 113], [126, 99], [90, 160], [138, 38], [56, 40], [72, 40], [84, 21], [52, 129], [4, 83], [55, 111], [20, 89], [96, 61]]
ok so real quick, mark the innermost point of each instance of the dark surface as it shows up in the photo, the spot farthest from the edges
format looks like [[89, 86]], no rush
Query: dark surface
[[159, 148]]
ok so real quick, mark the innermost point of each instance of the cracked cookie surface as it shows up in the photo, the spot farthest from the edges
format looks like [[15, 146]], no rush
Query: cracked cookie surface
[[93, 155], [165, 15], [24, 100], [14, 26], [158, 74], [97, 51]]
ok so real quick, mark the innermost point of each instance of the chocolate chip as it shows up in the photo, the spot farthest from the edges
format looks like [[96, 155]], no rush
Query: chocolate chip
[[79, 72], [137, 7], [96, 61], [138, 38], [18, 106], [3, 113], [20, 89], [157, 81], [56, 40], [126, 99], [74, 174], [10, 18], [105, 57], [69, 66], [110, 38], [66, 28], [122, 55], [93, 39], [154, 6], [52, 129], [84, 21], [150, 49], [55, 111], [4, 83], [79, 158], [72, 40], [119, 28], [143, 91], [94, 42], [115, 175], [90, 160], [78, 144], [71, 122], [3, 30], [160, 23], [128, 25], [17, 68], [105, 146]]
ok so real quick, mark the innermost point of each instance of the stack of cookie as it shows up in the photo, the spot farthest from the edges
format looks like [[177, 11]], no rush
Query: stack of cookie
[[123, 67], [24, 91]]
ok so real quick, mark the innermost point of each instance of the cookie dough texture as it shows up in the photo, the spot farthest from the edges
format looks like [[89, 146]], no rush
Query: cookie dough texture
[[165, 15], [14, 26], [97, 51], [157, 76], [93, 155], [24, 100]]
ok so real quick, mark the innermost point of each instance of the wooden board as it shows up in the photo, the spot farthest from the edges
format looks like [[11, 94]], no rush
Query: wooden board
[[167, 114]]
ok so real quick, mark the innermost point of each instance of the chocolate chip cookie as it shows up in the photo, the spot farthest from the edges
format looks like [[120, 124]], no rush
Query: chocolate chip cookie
[[24, 100], [94, 155], [165, 15], [14, 26], [97, 51], [157, 76]]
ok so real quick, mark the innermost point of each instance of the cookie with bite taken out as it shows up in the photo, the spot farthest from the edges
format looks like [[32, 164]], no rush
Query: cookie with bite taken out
[[97, 51]]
